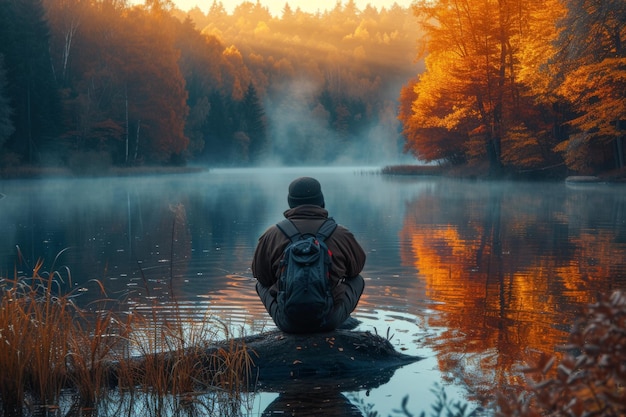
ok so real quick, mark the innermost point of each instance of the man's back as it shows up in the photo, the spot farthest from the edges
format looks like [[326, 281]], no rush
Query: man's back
[[307, 212]]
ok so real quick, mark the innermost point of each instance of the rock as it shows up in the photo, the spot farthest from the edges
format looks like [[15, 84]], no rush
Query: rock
[[342, 359], [349, 359]]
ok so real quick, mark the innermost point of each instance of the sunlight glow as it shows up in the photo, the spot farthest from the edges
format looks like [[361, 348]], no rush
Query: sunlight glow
[[276, 6]]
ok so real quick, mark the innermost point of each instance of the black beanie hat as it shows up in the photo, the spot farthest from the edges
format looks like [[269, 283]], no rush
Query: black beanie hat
[[305, 190]]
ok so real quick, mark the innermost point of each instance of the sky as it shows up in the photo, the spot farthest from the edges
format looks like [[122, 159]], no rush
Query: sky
[[276, 6]]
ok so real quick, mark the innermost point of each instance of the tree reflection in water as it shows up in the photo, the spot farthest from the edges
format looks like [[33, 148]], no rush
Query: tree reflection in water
[[508, 272]]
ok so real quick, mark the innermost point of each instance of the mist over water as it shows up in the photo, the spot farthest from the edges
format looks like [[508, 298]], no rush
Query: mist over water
[[469, 275]]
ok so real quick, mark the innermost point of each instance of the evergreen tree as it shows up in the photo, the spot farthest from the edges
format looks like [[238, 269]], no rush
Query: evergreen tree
[[24, 43], [217, 10], [219, 129], [253, 123], [6, 124]]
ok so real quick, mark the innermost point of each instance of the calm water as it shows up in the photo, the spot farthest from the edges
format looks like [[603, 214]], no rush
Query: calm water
[[472, 276]]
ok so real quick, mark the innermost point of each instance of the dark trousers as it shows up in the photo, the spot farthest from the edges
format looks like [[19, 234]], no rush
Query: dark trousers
[[347, 297]]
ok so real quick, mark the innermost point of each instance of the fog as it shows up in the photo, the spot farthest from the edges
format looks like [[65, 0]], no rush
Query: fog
[[301, 131], [129, 217]]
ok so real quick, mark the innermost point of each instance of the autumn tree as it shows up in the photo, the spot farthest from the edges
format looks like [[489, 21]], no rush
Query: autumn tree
[[463, 87], [94, 117], [154, 85], [471, 88], [434, 143], [126, 98], [533, 141], [593, 74]]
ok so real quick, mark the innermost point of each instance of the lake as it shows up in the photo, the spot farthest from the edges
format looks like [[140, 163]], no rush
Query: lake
[[473, 276]]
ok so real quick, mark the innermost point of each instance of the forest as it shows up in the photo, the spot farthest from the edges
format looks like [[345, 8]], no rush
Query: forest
[[502, 87], [88, 84]]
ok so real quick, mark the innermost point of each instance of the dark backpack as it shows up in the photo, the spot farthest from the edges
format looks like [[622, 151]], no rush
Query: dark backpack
[[304, 289]]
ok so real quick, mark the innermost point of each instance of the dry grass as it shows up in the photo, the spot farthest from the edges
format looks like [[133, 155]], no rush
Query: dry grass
[[51, 346], [96, 338], [169, 366], [36, 325]]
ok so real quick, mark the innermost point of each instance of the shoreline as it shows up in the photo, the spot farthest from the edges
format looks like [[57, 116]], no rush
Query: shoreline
[[31, 172], [481, 173]]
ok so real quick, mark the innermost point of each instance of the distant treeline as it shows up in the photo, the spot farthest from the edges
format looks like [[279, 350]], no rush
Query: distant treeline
[[521, 87], [88, 84]]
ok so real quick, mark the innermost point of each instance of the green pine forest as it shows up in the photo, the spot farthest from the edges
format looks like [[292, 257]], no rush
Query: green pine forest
[[502, 87]]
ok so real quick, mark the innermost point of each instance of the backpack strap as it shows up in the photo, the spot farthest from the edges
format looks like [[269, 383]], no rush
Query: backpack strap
[[327, 229], [291, 231]]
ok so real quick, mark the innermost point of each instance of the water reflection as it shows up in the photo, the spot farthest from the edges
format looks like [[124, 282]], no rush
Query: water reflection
[[481, 273], [508, 269], [298, 403]]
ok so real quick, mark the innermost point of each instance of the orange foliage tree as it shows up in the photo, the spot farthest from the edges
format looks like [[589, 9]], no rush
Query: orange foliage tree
[[154, 85], [472, 87], [593, 74], [125, 97]]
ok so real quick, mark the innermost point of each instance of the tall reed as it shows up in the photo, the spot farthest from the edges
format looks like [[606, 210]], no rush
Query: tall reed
[[176, 357], [36, 323], [49, 343], [97, 338], [15, 353]]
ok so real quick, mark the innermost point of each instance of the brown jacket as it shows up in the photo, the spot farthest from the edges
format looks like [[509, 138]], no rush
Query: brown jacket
[[348, 255]]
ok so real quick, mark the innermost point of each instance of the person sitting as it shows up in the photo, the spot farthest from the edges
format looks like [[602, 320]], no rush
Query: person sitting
[[307, 212]]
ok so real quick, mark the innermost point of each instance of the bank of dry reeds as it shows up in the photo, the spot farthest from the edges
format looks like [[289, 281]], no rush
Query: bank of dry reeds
[[54, 349]]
